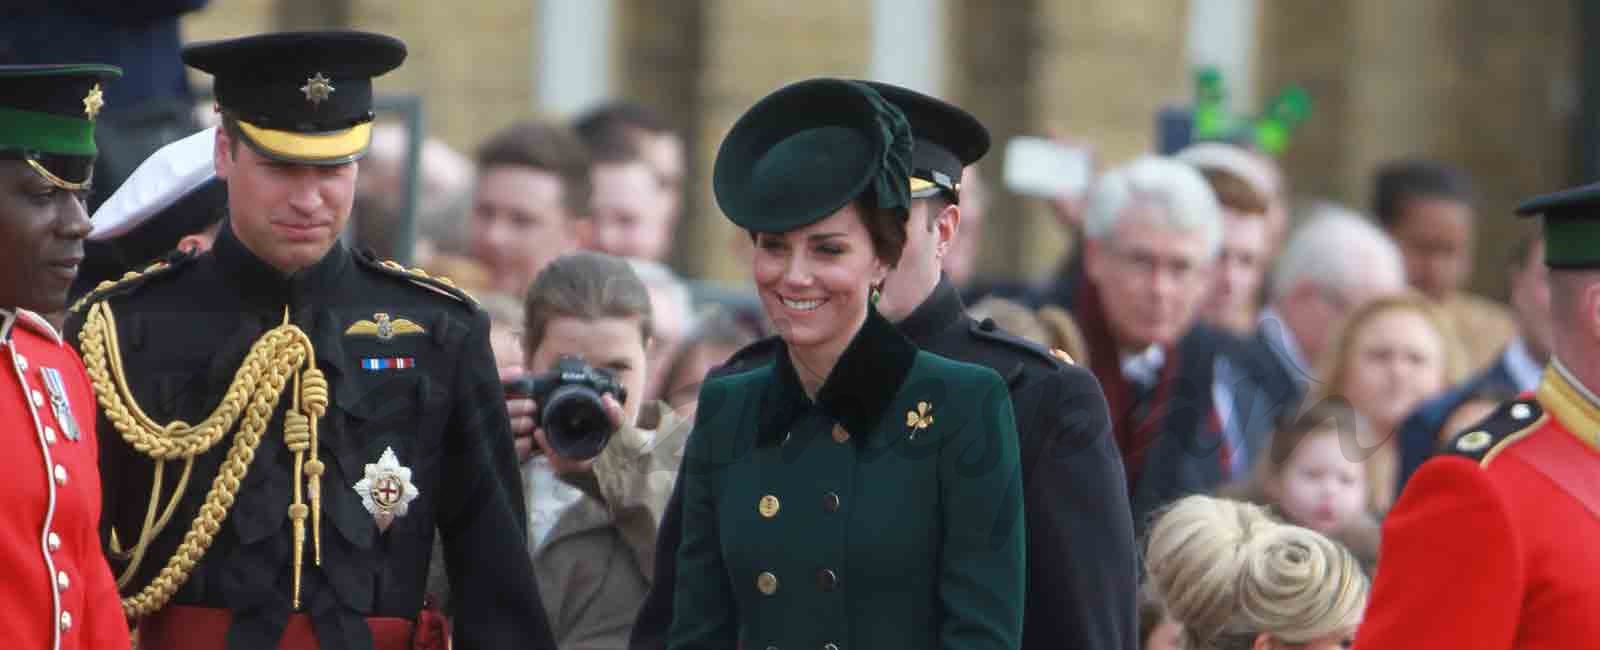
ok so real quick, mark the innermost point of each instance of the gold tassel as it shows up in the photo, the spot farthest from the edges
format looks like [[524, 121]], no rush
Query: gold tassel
[[314, 390], [297, 436]]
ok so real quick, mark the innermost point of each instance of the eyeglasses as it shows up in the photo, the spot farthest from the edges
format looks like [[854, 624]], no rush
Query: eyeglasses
[[1180, 270]]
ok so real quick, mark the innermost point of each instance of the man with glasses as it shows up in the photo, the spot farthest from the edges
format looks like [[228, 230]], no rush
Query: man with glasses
[[1151, 231]]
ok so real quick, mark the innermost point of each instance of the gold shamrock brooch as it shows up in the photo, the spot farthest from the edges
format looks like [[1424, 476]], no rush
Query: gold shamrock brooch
[[919, 419]]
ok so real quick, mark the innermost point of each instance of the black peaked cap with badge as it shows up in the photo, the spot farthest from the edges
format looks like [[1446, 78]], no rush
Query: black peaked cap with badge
[[1570, 225], [947, 139], [47, 116], [1081, 589], [300, 97], [385, 424]]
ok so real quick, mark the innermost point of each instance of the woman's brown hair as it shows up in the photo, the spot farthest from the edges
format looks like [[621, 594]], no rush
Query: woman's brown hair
[[586, 286]]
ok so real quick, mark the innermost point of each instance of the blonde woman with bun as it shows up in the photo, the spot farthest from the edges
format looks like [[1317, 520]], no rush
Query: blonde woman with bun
[[1237, 579]]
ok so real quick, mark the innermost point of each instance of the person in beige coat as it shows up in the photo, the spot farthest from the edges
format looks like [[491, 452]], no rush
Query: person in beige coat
[[592, 522]]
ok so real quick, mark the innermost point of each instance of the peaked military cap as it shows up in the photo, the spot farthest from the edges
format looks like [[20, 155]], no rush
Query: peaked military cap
[[47, 115], [300, 97], [808, 150], [947, 139], [1571, 224]]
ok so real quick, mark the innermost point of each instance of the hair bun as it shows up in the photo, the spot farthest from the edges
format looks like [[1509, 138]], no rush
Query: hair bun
[[1227, 571]]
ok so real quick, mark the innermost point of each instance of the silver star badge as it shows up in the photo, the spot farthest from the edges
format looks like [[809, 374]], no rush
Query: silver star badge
[[317, 89], [386, 490]]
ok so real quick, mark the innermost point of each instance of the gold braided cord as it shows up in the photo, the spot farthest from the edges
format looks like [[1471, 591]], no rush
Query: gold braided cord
[[272, 362], [153, 525]]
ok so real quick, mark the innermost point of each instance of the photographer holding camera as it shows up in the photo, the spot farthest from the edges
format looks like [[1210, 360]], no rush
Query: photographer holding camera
[[596, 482]]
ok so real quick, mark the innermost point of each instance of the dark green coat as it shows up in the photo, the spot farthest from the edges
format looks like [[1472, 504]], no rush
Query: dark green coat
[[860, 520]]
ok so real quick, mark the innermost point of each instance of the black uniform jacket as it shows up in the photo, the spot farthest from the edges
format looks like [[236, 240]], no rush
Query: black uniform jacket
[[1082, 558], [410, 374]]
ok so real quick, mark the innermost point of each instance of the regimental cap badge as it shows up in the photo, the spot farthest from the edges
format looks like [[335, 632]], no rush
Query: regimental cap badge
[[386, 489], [384, 327], [93, 102], [318, 89]]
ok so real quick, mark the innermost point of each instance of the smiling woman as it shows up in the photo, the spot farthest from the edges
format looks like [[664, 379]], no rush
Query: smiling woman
[[831, 475]]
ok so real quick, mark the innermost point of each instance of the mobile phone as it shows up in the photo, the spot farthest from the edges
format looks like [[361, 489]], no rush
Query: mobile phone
[[1174, 129], [1045, 168]]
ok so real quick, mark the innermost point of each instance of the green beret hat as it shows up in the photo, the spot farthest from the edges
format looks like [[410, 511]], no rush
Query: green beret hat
[[1571, 225], [808, 150], [47, 115]]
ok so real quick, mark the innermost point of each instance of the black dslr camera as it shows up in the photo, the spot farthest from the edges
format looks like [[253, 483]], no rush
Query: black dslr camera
[[570, 412]]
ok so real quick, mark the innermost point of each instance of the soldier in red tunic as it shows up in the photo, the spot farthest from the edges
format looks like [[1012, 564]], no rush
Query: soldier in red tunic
[[56, 590], [1493, 543]]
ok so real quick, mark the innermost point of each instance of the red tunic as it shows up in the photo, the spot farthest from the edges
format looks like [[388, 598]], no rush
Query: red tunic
[[57, 590], [1496, 545]]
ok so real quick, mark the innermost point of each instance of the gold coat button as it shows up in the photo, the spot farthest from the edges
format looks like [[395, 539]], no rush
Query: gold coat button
[[830, 502], [768, 506], [840, 435], [767, 583], [827, 580]]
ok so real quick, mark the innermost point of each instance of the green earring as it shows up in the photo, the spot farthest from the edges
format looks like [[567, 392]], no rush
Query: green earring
[[874, 296]]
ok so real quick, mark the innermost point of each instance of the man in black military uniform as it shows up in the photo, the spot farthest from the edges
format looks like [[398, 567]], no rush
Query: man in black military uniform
[[1082, 558], [285, 423]]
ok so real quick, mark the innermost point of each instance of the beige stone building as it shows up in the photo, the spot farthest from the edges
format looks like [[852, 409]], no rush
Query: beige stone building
[[1491, 85]]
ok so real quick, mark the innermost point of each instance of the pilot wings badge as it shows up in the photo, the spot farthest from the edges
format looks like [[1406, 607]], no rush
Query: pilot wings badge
[[386, 489], [383, 327]]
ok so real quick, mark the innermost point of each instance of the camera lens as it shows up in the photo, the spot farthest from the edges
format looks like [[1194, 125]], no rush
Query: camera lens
[[575, 422]]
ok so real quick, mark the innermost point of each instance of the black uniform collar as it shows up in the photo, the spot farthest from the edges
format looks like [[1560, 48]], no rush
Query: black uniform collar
[[866, 377], [259, 283], [938, 312]]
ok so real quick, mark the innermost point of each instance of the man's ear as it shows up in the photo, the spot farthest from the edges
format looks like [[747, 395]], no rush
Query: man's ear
[[946, 226], [1094, 261], [222, 153]]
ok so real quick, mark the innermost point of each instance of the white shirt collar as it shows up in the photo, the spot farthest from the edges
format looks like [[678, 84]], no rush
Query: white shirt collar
[[548, 498], [1522, 367], [1144, 367], [8, 317]]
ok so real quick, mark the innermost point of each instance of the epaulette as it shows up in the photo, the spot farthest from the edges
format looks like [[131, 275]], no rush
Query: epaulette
[[987, 330], [435, 283], [747, 357], [1507, 424], [134, 279]]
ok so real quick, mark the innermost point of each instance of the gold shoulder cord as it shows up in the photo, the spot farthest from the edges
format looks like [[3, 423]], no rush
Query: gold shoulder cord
[[282, 354]]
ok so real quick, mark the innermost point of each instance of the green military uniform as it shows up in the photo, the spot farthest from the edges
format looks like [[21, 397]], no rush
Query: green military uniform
[[886, 512]]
